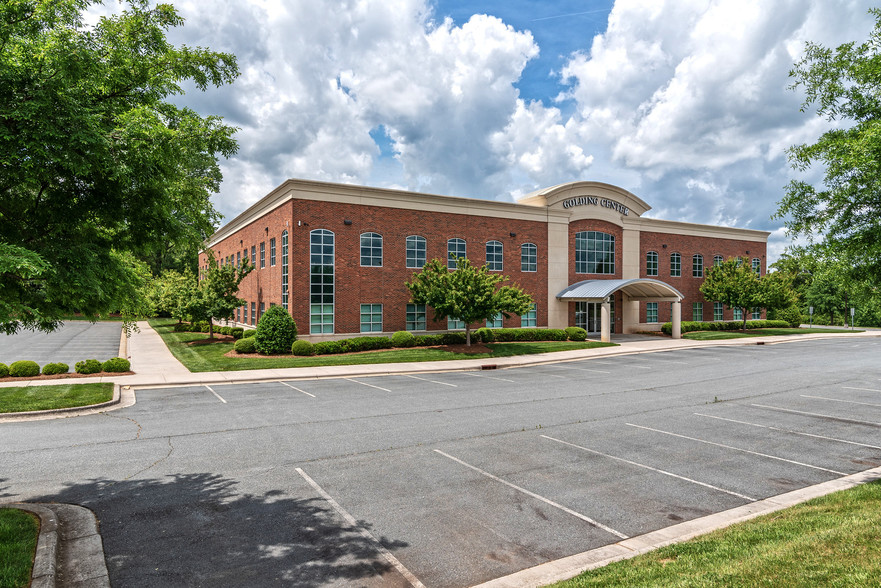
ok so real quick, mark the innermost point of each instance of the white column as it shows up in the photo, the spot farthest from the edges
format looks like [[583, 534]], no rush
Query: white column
[[605, 321], [677, 319]]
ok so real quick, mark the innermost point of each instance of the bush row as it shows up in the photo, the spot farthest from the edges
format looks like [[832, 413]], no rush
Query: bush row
[[28, 369], [202, 327], [689, 326]]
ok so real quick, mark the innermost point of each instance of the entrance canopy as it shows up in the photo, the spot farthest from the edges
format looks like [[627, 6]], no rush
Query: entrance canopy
[[636, 289]]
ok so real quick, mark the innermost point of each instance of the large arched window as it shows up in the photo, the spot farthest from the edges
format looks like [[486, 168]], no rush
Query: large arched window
[[371, 250], [321, 281], [415, 252], [455, 249], [651, 263], [594, 253], [284, 268], [494, 256]]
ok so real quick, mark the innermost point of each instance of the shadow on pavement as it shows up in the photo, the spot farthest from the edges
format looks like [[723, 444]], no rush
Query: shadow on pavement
[[196, 530]]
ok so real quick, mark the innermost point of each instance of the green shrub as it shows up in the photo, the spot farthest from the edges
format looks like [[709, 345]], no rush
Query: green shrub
[[181, 328], [246, 345], [225, 330], [427, 340], [276, 331], [236, 332], [691, 326], [328, 348], [4, 370], [88, 366], [403, 339], [116, 365], [52, 369], [576, 333], [24, 369], [302, 348], [248, 333], [452, 338], [357, 344], [483, 335]]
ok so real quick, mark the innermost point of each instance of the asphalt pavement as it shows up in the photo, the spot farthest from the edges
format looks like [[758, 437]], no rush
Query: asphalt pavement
[[72, 342]]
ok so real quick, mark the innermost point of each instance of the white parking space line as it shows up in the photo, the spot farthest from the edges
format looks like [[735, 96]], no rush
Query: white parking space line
[[658, 360], [666, 473], [639, 367], [863, 389], [536, 496], [569, 367], [817, 414], [297, 389], [432, 381], [219, 397], [840, 400], [414, 581], [790, 431], [807, 465], [488, 377], [366, 384]]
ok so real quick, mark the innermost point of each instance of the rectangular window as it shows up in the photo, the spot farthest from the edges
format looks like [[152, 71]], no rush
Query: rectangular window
[[245, 313], [371, 250], [416, 317], [757, 266], [262, 254], [415, 246], [717, 311], [253, 256], [371, 318], [651, 263], [455, 249], [494, 256], [651, 312], [697, 266], [453, 324], [238, 259], [239, 314], [757, 314], [528, 257], [494, 322], [529, 319], [272, 252], [738, 314], [697, 311], [675, 265], [284, 270], [262, 310], [253, 313], [594, 253], [321, 281]]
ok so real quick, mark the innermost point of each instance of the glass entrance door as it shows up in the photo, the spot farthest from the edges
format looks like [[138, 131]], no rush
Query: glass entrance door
[[588, 316]]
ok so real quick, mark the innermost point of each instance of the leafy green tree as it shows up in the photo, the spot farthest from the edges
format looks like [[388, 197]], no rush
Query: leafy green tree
[[842, 84], [735, 285], [215, 298], [168, 295], [96, 164], [468, 293]]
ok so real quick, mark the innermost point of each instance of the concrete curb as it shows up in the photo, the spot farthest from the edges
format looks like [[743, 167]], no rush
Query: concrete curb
[[46, 556], [569, 567]]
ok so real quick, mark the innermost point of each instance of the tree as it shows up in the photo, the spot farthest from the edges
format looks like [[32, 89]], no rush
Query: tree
[[168, 295], [846, 213], [736, 285], [95, 164], [469, 294], [215, 298]]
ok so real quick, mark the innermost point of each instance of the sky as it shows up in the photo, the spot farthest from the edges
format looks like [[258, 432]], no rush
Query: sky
[[685, 103]]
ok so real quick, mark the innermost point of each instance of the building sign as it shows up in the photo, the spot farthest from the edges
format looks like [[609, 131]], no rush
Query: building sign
[[596, 201]]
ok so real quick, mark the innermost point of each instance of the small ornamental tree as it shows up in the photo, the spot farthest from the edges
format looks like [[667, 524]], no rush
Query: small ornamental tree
[[469, 294], [216, 297], [735, 285]]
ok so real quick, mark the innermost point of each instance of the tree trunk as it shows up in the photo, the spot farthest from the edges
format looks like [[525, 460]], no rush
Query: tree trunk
[[743, 327], [468, 335]]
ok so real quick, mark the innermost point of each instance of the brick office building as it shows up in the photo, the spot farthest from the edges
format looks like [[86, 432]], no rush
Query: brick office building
[[336, 256]]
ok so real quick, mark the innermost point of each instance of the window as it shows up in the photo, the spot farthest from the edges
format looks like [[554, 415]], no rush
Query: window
[[757, 266], [494, 256], [238, 259], [455, 250], [738, 314], [651, 312], [717, 260], [528, 257], [529, 319], [239, 314], [262, 311], [757, 314], [675, 265], [453, 324], [697, 311], [494, 322], [272, 252], [245, 313], [717, 311], [697, 265], [253, 256], [651, 263], [371, 250], [284, 269], [262, 254], [253, 313], [415, 251], [594, 253], [371, 318], [321, 281], [416, 317]]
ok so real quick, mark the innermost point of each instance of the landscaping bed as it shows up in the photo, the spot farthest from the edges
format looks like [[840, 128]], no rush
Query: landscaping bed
[[28, 398], [19, 530]]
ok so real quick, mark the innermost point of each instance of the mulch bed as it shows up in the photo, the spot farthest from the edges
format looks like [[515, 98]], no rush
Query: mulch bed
[[70, 375], [476, 348], [209, 341]]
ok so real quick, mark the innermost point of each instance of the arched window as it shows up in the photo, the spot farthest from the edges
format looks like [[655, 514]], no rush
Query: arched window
[[594, 253], [651, 263], [284, 268], [494, 256], [455, 250], [717, 260], [675, 265], [757, 265], [528, 257], [321, 281], [415, 252], [697, 265], [371, 250]]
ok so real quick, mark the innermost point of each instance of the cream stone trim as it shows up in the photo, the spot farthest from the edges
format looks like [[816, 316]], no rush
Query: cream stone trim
[[652, 225], [630, 254], [558, 269]]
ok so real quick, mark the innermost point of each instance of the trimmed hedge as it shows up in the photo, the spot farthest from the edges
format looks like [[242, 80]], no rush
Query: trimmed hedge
[[52, 369], [24, 369], [483, 335], [328, 348], [246, 345], [4, 370], [576, 333], [302, 348], [248, 333], [403, 339], [276, 331], [88, 366], [690, 326], [236, 332], [116, 365]]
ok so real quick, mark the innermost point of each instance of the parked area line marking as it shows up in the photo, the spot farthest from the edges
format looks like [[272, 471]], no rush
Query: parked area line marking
[[219, 397], [666, 473], [820, 415], [639, 367], [863, 389], [658, 360], [709, 416], [536, 496], [807, 465], [569, 367], [365, 384], [432, 381], [840, 400], [298, 390], [414, 581], [489, 377]]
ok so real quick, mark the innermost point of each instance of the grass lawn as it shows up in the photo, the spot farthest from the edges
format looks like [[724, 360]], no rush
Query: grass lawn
[[714, 335], [834, 540], [210, 358], [18, 542], [24, 398]]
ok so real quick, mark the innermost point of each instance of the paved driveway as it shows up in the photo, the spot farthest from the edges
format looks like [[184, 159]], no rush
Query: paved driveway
[[447, 479], [73, 342]]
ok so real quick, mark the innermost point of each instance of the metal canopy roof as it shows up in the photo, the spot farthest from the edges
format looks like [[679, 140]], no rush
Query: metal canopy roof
[[638, 288]]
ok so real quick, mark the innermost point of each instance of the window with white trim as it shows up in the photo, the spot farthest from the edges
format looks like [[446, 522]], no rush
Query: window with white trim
[[253, 313], [651, 263], [757, 266], [530, 318], [284, 269], [737, 314], [494, 256], [416, 317], [262, 254], [651, 312], [494, 322], [697, 265], [757, 314], [594, 253], [717, 311], [717, 260], [272, 252], [697, 311], [528, 257], [321, 281], [455, 249], [415, 252], [253, 256], [371, 250], [675, 265], [453, 324], [371, 318]]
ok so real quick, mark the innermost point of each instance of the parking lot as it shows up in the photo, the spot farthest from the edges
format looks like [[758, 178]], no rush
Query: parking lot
[[447, 479]]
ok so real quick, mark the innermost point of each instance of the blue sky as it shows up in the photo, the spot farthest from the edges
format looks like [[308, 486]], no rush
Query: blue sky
[[683, 102]]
